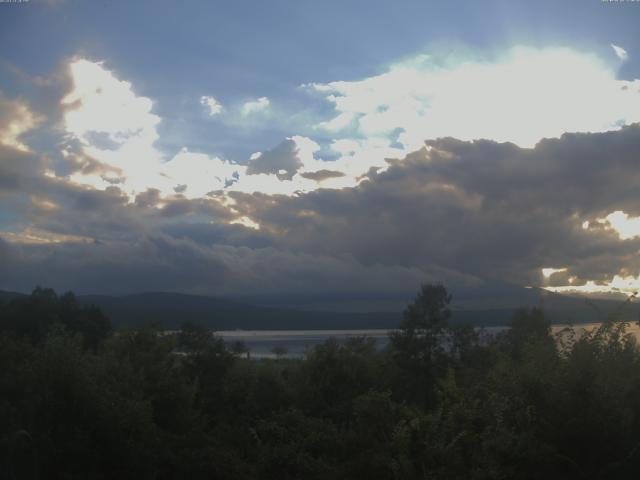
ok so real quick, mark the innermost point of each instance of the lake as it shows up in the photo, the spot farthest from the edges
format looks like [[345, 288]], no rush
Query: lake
[[296, 342]]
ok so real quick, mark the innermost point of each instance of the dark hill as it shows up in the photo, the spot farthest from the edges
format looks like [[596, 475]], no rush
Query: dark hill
[[482, 308], [172, 309]]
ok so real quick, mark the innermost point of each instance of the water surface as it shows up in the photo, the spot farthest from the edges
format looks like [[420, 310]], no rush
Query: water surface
[[261, 343]]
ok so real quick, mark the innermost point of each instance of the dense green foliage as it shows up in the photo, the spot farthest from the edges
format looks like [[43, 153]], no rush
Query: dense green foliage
[[80, 401]]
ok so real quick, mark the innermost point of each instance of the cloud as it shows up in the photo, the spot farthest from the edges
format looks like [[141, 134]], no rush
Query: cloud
[[112, 130], [19, 169], [36, 236], [548, 272], [521, 96], [213, 106], [113, 125], [197, 174], [101, 103], [485, 209], [37, 80], [625, 226], [255, 106], [620, 52], [283, 161], [389, 116], [454, 211], [16, 119], [378, 216], [116, 130], [322, 175], [164, 263]]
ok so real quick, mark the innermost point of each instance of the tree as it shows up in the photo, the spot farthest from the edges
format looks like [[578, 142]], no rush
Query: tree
[[528, 326], [279, 351], [207, 362], [35, 316], [417, 347]]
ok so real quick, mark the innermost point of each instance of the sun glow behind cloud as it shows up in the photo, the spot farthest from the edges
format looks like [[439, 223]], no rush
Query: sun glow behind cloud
[[547, 272], [625, 226], [626, 285], [386, 116], [507, 99], [117, 128]]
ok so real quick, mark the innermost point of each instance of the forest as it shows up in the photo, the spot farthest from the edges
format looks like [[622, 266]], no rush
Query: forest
[[81, 400]]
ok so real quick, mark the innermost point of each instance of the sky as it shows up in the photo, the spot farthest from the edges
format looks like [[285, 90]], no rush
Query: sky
[[337, 148]]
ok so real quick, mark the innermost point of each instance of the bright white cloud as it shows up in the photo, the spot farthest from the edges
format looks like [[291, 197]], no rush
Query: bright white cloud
[[620, 52], [254, 106], [547, 272], [625, 226], [101, 103], [213, 106], [346, 146], [200, 173], [113, 125], [118, 128], [247, 222], [627, 285], [521, 97]]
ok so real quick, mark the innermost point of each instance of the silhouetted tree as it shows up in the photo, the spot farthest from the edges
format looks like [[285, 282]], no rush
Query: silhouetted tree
[[418, 346], [35, 315]]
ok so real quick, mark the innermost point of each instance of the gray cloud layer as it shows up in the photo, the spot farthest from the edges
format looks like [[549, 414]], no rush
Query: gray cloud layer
[[459, 212]]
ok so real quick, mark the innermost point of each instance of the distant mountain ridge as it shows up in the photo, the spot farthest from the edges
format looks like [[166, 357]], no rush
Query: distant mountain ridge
[[172, 309], [482, 307]]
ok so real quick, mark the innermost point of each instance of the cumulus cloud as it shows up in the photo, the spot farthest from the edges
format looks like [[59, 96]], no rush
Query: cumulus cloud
[[455, 211], [123, 153], [197, 174], [461, 211], [254, 106], [625, 226], [283, 160], [19, 170], [114, 126], [521, 96], [489, 210], [101, 103], [113, 130], [16, 119], [213, 106]]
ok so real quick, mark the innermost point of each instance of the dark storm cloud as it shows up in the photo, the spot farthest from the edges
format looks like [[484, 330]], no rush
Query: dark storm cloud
[[492, 210], [164, 263], [456, 212]]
